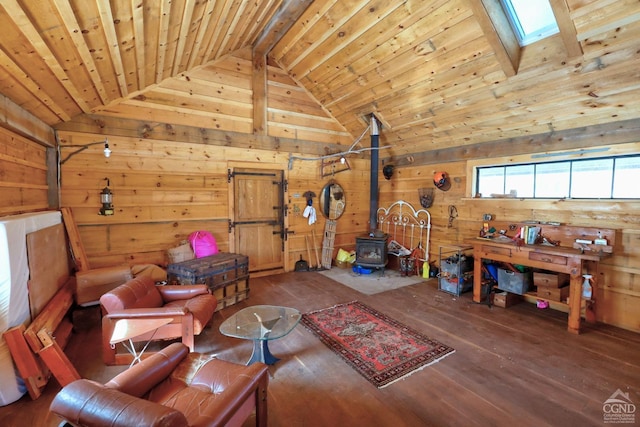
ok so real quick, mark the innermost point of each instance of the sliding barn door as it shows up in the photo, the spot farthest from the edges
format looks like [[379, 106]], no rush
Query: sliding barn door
[[258, 223]]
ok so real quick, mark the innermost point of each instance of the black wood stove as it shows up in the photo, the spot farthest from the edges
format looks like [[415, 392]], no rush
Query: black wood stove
[[371, 251]]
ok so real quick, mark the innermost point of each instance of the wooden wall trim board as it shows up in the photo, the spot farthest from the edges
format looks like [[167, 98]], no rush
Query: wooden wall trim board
[[53, 184], [155, 131], [18, 120], [622, 132]]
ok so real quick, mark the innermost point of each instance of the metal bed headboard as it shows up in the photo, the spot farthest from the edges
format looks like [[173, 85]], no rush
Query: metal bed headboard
[[407, 226]]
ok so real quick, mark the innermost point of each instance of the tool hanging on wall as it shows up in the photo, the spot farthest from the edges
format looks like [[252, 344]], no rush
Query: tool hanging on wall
[[310, 211], [453, 214], [426, 197], [309, 195]]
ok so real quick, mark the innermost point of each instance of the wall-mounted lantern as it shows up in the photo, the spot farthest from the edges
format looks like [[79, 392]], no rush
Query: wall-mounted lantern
[[106, 198]]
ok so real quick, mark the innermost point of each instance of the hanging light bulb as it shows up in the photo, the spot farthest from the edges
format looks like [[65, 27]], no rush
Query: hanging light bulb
[[343, 160], [107, 150]]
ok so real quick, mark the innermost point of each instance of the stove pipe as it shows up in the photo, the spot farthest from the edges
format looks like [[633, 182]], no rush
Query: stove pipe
[[373, 188]]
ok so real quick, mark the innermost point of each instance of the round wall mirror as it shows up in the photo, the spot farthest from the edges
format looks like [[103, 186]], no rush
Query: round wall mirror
[[332, 200]]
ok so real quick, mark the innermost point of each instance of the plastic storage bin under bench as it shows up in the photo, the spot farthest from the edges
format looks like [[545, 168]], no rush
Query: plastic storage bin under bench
[[456, 269], [513, 281], [226, 275]]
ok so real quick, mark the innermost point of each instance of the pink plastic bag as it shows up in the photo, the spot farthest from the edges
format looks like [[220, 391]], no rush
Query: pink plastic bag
[[203, 244]]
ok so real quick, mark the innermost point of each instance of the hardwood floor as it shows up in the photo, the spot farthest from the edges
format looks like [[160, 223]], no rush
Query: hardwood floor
[[512, 366]]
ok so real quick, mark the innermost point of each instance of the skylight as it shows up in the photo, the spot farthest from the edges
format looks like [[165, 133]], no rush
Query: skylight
[[532, 20]]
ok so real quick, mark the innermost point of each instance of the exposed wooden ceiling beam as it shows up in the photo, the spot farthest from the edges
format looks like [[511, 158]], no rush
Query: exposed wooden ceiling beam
[[18, 120], [111, 126], [588, 136], [567, 29], [496, 28], [287, 14], [259, 86]]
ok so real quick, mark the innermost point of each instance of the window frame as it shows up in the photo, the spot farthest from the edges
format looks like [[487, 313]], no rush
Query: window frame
[[536, 160], [523, 37]]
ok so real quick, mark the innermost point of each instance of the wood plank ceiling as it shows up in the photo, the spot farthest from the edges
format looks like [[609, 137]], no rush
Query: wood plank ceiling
[[434, 72]]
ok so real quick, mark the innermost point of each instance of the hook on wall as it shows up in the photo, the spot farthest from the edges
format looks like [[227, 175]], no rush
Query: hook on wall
[[453, 214]]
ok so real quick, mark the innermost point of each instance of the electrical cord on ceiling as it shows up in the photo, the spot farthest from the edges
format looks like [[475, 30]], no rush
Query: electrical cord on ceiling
[[341, 154]]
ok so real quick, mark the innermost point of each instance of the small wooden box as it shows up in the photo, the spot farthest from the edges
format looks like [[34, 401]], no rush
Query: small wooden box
[[343, 264], [506, 299], [550, 280], [554, 294]]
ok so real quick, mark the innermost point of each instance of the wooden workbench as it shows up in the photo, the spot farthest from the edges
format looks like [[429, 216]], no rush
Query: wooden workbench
[[560, 259]]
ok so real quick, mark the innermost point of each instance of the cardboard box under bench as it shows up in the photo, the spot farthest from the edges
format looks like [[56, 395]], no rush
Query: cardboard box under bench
[[226, 275], [506, 299]]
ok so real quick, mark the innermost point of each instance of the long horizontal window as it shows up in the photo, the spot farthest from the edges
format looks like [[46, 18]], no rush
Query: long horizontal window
[[605, 178]]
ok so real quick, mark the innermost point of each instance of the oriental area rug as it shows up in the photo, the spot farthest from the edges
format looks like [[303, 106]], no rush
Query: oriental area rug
[[381, 349]]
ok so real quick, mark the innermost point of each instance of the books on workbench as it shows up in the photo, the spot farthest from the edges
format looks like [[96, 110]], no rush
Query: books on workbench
[[529, 234]]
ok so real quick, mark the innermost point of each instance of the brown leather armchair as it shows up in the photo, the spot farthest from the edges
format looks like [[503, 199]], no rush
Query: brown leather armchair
[[170, 388], [187, 308]]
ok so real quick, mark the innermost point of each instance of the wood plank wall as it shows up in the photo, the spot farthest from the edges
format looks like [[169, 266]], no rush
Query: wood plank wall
[[219, 96], [172, 147], [23, 174], [618, 295], [169, 178], [164, 190], [304, 177]]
